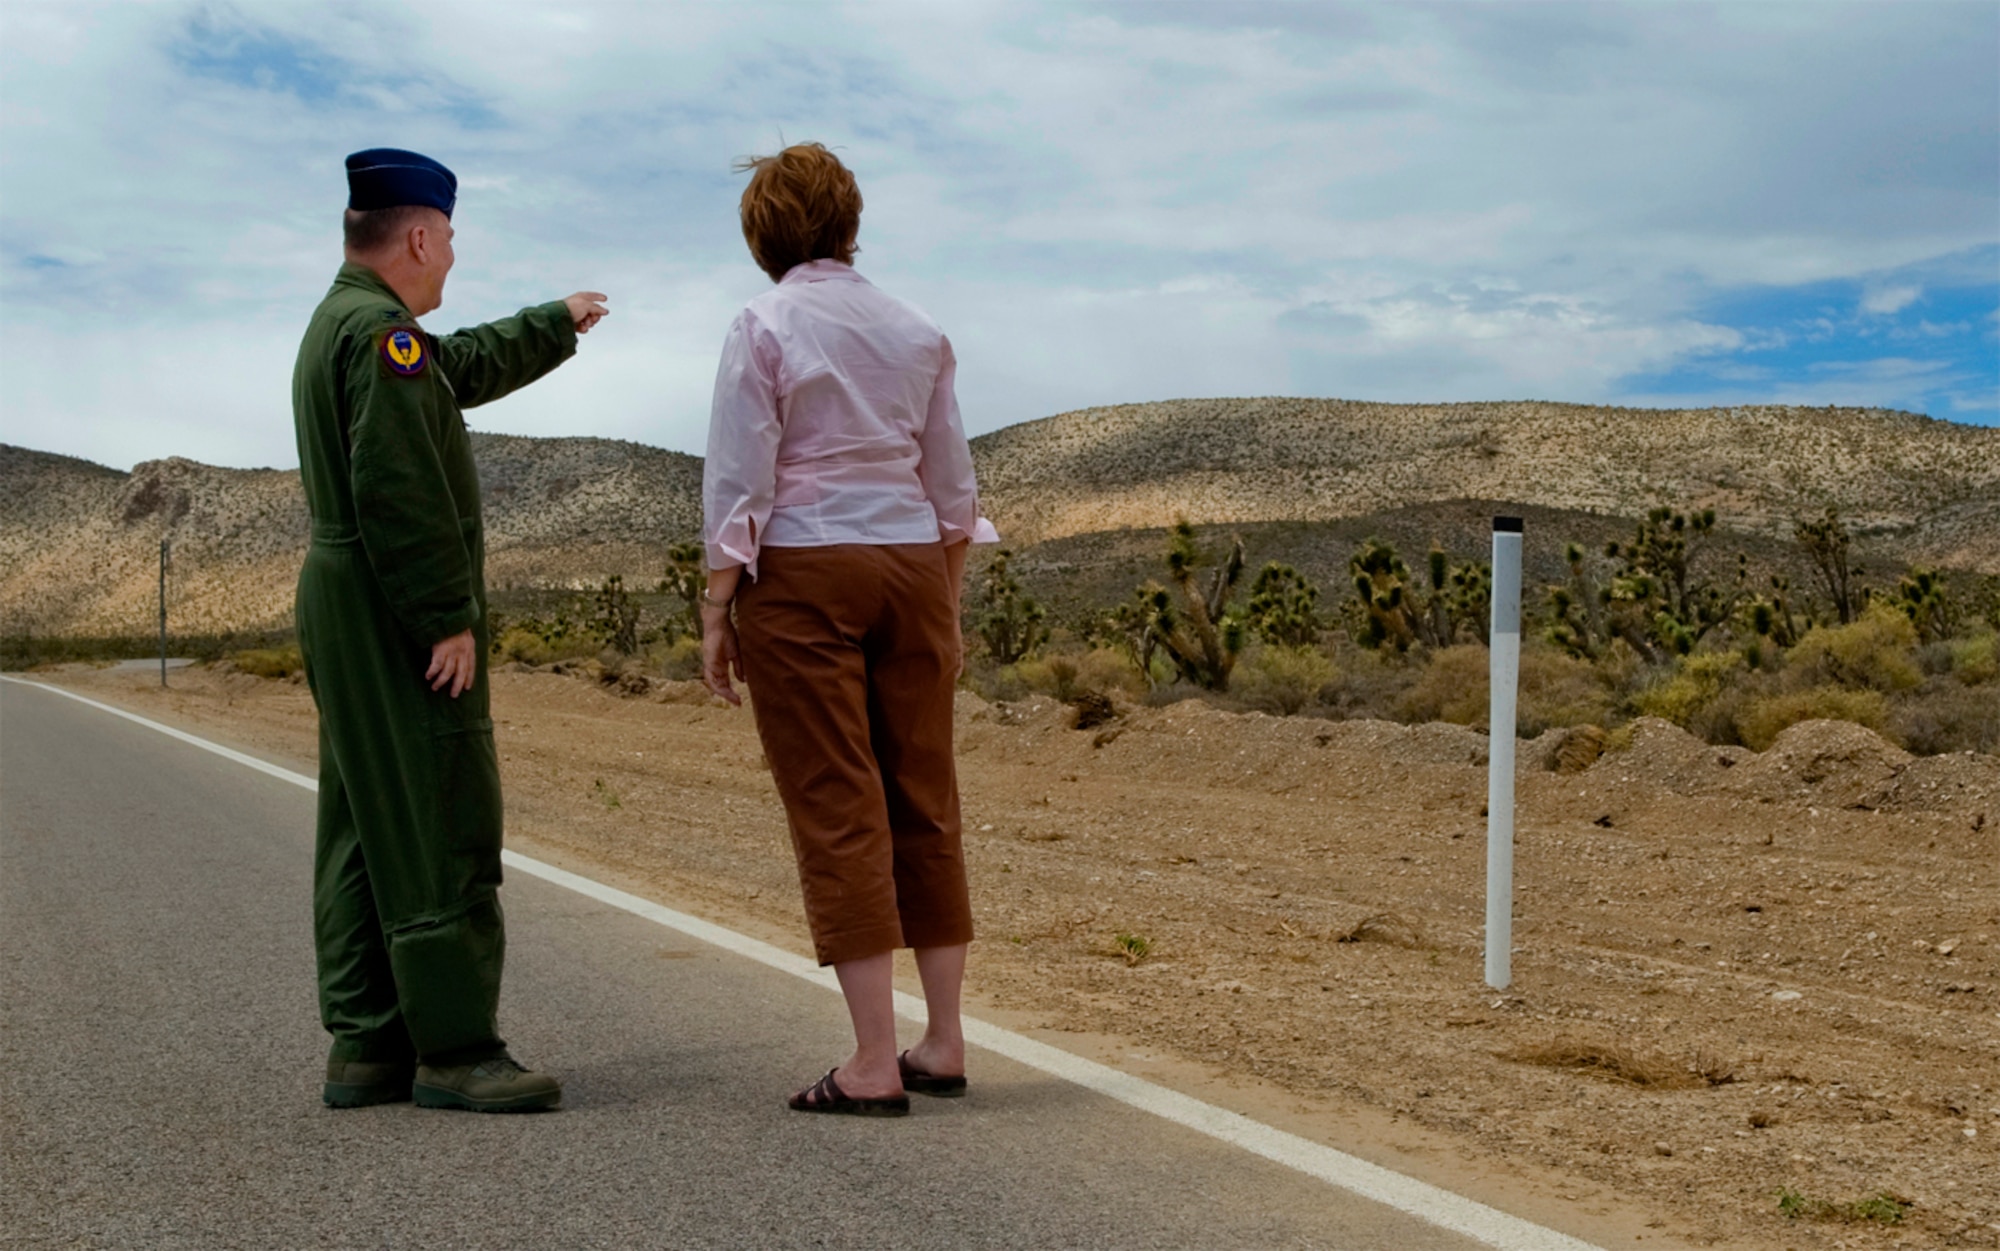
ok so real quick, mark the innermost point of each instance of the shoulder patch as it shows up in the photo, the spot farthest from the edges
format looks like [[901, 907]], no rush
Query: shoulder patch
[[403, 351]]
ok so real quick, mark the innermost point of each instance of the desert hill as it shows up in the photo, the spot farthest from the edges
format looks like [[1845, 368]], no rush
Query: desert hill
[[79, 542], [1931, 486]]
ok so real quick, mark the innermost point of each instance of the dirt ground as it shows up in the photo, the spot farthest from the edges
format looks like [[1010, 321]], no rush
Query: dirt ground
[[1736, 975]]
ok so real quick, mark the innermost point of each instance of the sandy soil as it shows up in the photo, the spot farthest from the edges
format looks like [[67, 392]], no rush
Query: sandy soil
[[1734, 974]]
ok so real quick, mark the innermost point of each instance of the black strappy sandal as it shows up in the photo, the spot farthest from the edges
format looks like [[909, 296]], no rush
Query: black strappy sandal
[[825, 1095], [916, 1081]]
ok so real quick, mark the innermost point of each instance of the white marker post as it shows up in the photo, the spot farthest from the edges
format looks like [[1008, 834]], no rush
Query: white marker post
[[1504, 649]]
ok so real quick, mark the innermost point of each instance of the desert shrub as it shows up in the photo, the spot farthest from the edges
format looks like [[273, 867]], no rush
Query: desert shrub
[[1452, 687], [677, 660], [535, 640], [1171, 693], [1623, 672], [538, 643], [1283, 680], [992, 682], [1975, 661], [1946, 715], [1875, 652], [1691, 690], [269, 662], [523, 644], [1763, 717], [1371, 684], [1933, 658], [1558, 689], [1054, 676], [1106, 669]]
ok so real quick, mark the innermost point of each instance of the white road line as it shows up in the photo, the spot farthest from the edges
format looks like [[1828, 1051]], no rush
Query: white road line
[[1386, 1186]]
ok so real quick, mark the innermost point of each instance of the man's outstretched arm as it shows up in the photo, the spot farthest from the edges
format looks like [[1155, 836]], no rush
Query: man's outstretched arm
[[486, 362]]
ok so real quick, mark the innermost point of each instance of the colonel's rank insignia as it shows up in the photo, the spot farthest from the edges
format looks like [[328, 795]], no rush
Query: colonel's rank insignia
[[403, 352]]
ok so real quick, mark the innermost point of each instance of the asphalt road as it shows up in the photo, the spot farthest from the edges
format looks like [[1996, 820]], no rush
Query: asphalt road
[[160, 1059]]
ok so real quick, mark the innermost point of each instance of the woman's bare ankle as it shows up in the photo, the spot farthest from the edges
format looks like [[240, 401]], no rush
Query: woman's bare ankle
[[940, 1057]]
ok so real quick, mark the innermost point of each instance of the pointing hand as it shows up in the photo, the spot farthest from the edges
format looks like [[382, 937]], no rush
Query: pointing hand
[[586, 308]]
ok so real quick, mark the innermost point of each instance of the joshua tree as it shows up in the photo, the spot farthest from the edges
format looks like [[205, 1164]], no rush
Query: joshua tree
[[617, 617], [1826, 542], [1204, 639], [1010, 621], [1394, 611], [1461, 599], [685, 579], [1283, 607], [1920, 594], [1382, 585], [1577, 624], [1133, 626], [1772, 618], [1658, 601], [1200, 635]]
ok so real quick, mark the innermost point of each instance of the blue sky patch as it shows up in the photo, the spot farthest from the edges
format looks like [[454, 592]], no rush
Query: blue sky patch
[[260, 59], [1925, 338]]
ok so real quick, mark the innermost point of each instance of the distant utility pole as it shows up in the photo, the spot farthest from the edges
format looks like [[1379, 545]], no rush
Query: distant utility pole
[[1504, 657], [163, 613]]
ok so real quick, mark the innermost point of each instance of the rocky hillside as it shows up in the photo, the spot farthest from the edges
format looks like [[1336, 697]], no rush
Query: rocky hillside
[[1931, 486], [79, 543]]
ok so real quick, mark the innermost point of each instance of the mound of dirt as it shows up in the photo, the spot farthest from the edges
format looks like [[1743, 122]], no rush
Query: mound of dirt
[[1569, 749], [1664, 755], [1834, 764], [1963, 781], [1435, 743]]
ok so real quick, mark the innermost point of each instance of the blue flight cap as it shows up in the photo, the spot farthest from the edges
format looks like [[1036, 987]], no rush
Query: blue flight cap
[[387, 177]]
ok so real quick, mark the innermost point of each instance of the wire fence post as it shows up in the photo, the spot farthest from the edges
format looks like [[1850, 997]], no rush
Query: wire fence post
[[1504, 680], [163, 613]]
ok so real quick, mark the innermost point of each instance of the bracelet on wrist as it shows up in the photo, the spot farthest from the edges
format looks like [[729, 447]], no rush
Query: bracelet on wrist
[[710, 601]]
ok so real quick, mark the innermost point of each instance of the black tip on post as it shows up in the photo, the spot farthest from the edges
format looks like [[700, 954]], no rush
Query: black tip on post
[[1506, 525]]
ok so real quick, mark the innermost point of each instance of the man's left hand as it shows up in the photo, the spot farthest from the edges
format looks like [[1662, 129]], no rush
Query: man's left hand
[[586, 309], [454, 663]]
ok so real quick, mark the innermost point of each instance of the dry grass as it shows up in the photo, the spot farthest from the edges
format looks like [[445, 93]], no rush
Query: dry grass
[[1385, 927], [1621, 1063]]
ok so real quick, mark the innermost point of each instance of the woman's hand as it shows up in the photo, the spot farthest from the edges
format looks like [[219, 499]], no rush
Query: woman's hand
[[719, 655]]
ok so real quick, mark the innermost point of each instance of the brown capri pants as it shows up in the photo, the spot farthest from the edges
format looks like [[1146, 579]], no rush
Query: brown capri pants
[[851, 655]]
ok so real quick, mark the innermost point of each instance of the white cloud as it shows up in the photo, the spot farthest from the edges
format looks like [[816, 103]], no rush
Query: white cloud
[[1886, 301]]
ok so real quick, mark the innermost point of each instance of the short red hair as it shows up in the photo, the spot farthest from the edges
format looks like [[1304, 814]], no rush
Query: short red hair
[[801, 205]]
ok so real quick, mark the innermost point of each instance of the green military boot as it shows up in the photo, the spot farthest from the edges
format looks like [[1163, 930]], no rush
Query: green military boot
[[499, 1085], [362, 1083]]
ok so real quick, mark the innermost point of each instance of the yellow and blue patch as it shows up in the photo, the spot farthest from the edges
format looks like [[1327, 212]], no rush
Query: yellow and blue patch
[[403, 352]]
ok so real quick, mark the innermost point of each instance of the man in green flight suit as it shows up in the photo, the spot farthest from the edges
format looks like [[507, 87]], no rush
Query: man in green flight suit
[[392, 621]]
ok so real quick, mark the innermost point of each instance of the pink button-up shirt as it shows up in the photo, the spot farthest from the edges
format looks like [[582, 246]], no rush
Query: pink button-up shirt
[[834, 422]]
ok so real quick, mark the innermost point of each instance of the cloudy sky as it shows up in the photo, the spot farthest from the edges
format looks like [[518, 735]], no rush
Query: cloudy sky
[[1644, 204]]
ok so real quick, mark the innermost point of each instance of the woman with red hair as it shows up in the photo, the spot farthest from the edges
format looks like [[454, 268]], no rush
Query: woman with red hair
[[838, 502]]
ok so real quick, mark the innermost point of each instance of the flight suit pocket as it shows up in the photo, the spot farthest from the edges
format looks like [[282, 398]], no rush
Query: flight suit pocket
[[468, 772]]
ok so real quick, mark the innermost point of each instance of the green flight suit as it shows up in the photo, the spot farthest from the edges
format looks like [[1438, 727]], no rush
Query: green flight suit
[[407, 923]]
